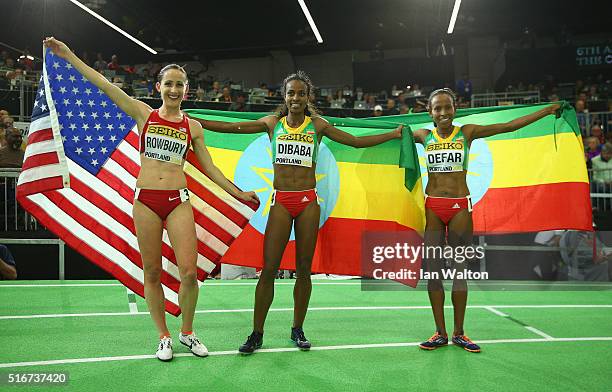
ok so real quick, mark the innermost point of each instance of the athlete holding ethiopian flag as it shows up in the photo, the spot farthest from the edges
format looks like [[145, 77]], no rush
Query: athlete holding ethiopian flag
[[448, 206], [295, 131]]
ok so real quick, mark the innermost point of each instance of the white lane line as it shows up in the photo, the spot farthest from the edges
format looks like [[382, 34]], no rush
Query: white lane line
[[541, 333], [314, 309], [291, 349], [497, 312], [529, 328], [63, 285], [132, 300], [372, 283]]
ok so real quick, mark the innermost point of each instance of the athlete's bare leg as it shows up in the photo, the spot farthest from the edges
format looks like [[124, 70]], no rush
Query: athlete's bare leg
[[306, 231], [460, 233], [149, 228], [276, 237], [181, 232], [435, 236]]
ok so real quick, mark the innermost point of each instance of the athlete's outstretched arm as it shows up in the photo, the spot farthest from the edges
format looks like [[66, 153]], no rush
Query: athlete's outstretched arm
[[136, 109], [335, 134], [209, 167], [261, 125], [473, 131]]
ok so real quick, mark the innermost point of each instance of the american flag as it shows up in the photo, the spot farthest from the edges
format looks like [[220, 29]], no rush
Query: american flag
[[79, 175]]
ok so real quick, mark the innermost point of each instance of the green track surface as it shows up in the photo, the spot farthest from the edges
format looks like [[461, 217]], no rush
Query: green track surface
[[506, 362]]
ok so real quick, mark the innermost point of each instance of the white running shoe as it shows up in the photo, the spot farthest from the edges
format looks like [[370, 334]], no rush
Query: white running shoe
[[164, 351], [194, 344]]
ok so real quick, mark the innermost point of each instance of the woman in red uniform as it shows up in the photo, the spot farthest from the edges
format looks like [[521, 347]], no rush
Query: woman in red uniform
[[448, 206], [295, 131], [161, 191]]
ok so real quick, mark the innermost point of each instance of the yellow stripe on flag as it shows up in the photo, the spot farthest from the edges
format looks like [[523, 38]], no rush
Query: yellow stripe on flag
[[527, 161], [377, 192]]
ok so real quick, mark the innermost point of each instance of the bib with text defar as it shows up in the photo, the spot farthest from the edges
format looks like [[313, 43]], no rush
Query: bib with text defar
[[449, 154]]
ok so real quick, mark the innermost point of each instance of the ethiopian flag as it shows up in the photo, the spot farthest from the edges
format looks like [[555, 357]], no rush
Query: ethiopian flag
[[530, 180]]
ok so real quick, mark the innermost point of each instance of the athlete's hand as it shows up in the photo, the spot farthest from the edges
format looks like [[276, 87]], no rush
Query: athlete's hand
[[397, 132], [248, 196], [57, 47], [555, 109]]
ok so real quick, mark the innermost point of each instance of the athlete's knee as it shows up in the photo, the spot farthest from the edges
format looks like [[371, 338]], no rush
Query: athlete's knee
[[268, 273], [435, 285], [152, 274], [189, 275], [460, 285], [303, 274]]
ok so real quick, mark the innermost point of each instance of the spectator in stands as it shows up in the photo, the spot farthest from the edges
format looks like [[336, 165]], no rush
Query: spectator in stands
[[18, 73], [85, 58], [8, 122], [464, 88], [390, 108], [226, 95], [200, 94], [11, 155], [26, 60], [338, 101], [215, 91], [100, 64], [581, 115], [582, 263], [593, 94], [593, 148], [602, 168], [420, 107], [3, 57], [9, 63], [404, 109], [3, 113], [415, 91], [378, 111], [114, 64], [240, 104], [8, 271], [597, 132], [264, 87], [370, 101]]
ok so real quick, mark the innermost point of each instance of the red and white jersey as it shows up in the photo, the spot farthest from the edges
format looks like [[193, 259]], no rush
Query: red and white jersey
[[164, 140]]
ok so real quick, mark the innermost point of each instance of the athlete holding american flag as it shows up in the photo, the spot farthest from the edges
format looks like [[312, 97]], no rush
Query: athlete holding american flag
[[161, 191]]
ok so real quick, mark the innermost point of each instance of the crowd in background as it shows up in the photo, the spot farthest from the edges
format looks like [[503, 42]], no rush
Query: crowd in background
[[588, 96]]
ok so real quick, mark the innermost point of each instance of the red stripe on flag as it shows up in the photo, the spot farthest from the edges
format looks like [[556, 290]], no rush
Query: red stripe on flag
[[102, 203], [564, 205], [90, 253], [38, 186], [132, 139], [41, 135], [212, 227], [212, 200], [193, 160], [125, 162], [47, 158], [114, 182]]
